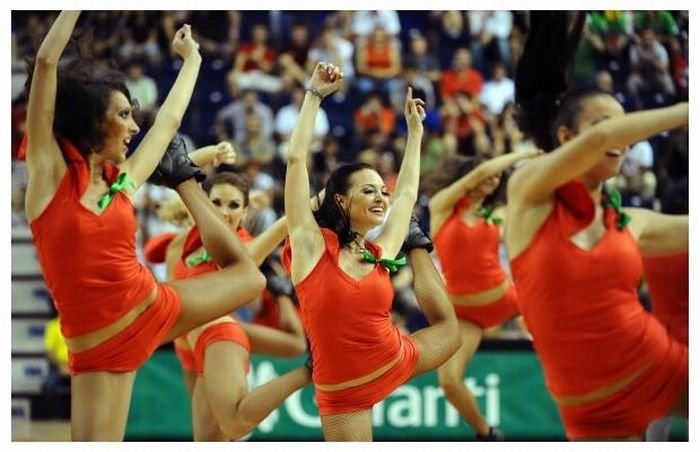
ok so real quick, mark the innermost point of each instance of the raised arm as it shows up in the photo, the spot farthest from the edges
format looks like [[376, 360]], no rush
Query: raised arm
[[44, 158], [406, 192], [304, 234], [167, 122], [537, 181], [444, 201], [264, 244], [658, 234]]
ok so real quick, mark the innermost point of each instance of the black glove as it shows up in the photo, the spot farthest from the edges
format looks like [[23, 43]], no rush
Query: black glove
[[280, 285], [176, 167], [416, 237]]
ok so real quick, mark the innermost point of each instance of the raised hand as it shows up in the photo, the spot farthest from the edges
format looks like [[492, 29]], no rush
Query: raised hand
[[224, 153], [414, 110], [326, 78], [183, 43]]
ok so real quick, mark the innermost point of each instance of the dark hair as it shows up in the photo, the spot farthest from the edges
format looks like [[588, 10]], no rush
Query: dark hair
[[231, 178], [542, 77], [452, 168], [330, 215], [84, 90]]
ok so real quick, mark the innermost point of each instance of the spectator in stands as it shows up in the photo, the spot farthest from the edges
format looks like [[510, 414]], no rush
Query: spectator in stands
[[378, 61], [453, 35], [412, 76], [295, 54], [140, 37], [664, 25], [636, 181], [330, 47], [489, 32], [650, 68], [608, 35], [142, 87], [420, 57], [217, 32], [230, 120], [255, 146], [364, 23], [374, 115], [461, 77], [673, 172], [463, 119], [287, 117], [255, 65], [498, 91]]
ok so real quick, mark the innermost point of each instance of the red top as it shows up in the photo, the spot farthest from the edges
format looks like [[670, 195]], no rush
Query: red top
[[89, 260], [453, 82], [193, 242], [378, 56], [581, 307], [269, 314], [469, 254], [157, 246], [667, 278], [348, 322]]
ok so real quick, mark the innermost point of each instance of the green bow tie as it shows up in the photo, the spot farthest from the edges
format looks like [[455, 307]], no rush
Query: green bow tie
[[199, 259], [487, 213], [391, 264], [615, 201], [121, 184]]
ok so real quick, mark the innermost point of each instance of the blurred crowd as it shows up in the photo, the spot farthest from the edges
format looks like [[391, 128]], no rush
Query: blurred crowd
[[256, 64]]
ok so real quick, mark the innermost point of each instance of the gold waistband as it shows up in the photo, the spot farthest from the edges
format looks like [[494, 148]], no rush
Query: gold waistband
[[364, 379]]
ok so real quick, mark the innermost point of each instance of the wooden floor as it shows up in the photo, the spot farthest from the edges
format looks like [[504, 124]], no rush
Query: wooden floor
[[40, 431]]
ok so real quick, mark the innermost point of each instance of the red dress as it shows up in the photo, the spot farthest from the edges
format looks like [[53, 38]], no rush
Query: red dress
[[192, 360], [589, 328], [470, 264], [90, 267], [349, 326]]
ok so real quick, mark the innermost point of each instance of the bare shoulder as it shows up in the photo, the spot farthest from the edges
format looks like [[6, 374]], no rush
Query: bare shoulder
[[46, 168], [523, 220]]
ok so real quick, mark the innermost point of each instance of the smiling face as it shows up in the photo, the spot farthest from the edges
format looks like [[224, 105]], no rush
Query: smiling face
[[486, 187], [119, 128], [593, 110], [367, 200], [230, 201]]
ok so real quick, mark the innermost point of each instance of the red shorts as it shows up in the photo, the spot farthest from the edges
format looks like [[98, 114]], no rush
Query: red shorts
[[492, 314], [363, 397], [628, 412], [193, 360], [129, 349], [186, 358]]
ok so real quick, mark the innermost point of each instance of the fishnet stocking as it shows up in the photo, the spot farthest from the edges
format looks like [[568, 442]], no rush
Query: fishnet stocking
[[355, 426]]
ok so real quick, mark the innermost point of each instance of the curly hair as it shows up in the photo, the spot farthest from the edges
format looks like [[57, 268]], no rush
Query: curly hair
[[84, 89]]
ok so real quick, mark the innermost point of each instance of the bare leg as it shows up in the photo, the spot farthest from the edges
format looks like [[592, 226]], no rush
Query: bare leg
[[237, 411], [204, 425], [355, 426], [451, 376], [440, 340], [218, 238], [100, 405]]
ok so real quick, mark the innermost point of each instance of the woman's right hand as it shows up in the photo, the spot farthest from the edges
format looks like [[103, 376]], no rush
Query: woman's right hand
[[326, 78], [183, 43], [414, 110]]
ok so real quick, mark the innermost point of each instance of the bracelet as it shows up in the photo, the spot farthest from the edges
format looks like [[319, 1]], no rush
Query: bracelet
[[315, 93]]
